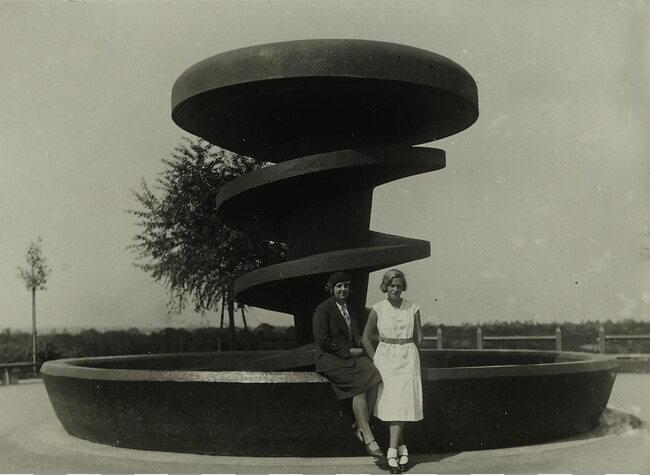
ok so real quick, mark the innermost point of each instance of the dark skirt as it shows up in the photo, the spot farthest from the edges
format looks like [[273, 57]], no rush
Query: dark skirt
[[348, 382]]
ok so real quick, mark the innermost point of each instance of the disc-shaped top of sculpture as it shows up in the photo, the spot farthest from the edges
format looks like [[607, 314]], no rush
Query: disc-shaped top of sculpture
[[281, 101]]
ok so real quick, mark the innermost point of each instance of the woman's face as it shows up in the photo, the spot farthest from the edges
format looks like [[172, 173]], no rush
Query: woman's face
[[395, 288], [341, 291]]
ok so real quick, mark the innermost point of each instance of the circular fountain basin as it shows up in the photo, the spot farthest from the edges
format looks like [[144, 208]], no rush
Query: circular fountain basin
[[245, 403]]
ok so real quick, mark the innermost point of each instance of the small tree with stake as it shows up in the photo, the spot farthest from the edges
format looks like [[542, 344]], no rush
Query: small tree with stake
[[183, 244], [35, 276]]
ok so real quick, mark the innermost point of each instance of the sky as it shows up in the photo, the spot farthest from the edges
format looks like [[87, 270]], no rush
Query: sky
[[540, 214]]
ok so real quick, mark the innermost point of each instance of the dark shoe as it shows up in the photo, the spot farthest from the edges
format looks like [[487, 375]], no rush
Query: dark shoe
[[372, 452]]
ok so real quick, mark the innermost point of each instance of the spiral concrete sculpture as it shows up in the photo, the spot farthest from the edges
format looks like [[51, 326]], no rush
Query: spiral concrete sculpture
[[338, 117]]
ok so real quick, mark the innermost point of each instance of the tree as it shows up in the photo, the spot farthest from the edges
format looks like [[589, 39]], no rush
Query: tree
[[183, 244], [35, 276]]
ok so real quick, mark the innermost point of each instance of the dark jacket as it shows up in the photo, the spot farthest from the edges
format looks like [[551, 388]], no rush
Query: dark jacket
[[331, 335]]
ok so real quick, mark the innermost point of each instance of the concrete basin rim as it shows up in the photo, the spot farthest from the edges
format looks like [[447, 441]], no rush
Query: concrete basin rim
[[75, 368]]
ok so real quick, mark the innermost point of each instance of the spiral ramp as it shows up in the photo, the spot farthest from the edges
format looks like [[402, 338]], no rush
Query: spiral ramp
[[337, 118], [295, 202]]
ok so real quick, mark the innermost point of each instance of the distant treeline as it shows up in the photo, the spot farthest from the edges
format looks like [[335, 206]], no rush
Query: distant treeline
[[16, 346]]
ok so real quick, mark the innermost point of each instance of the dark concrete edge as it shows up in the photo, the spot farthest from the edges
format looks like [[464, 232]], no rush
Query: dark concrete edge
[[576, 363], [326, 262], [68, 368], [543, 369], [75, 368], [633, 363], [271, 61], [631, 356], [291, 170]]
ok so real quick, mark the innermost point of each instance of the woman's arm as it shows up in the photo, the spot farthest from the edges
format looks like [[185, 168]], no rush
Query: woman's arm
[[368, 331], [323, 335], [417, 330]]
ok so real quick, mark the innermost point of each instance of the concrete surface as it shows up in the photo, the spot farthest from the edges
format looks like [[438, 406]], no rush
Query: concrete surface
[[33, 441]]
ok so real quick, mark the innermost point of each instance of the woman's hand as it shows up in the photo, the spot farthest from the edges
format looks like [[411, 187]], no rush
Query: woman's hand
[[356, 352], [369, 330]]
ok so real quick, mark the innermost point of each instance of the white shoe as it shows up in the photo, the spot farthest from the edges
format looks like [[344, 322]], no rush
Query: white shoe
[[403, 455], [391, 458]]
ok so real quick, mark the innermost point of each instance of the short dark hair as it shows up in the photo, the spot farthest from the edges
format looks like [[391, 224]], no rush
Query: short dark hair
[[334, 279]]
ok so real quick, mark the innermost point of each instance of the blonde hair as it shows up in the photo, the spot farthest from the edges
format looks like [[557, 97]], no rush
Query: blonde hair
[[389, 276]]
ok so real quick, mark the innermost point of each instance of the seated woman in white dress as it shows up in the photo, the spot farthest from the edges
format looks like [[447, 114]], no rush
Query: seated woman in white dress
[[400, 336]]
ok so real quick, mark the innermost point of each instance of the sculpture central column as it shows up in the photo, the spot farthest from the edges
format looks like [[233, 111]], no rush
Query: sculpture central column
[[338, 118]]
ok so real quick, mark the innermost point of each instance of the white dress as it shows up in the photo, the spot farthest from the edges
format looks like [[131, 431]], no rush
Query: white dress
[[400, 394]]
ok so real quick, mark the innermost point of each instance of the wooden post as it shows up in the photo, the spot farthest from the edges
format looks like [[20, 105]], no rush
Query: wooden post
[[479, 339], [558, 339], [34, 326], [602, 343], [437, 338], [223, 306]]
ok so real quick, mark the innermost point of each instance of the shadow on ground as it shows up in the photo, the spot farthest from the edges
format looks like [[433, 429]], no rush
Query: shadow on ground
[[612, 422]]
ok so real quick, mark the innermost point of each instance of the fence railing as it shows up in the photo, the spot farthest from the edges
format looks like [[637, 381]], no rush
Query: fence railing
[[11, 372], [604, 338], [480, 338], [437, 339]]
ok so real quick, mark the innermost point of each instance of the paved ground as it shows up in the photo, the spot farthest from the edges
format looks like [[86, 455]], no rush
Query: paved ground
[[33, 441]]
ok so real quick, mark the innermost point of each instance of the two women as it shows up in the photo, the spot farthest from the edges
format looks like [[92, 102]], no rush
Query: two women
[[348, 367]]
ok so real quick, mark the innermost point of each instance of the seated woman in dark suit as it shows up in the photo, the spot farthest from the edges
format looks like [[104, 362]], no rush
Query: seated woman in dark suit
[[340, 358]]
